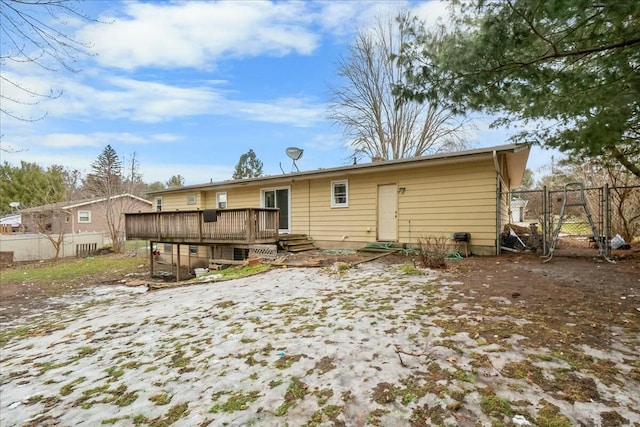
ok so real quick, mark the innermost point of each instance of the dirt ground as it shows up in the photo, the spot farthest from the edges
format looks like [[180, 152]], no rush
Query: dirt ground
[[548, 286]]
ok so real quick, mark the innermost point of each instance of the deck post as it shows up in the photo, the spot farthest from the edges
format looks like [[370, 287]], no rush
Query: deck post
[[151, 256], [157, 221], [251, 226], [178, 265]]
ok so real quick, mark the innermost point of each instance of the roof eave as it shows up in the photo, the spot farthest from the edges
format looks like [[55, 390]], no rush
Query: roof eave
[[450, 157]]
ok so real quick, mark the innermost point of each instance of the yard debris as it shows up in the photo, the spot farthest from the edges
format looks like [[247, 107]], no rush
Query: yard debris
[[618, 243], [516, 238], [399, 351]]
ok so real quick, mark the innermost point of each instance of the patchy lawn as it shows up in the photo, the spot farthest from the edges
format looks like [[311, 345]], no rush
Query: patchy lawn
[[491, 341]]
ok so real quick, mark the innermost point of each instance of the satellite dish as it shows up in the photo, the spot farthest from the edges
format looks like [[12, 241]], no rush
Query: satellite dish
[[14, 204], [294, 154]]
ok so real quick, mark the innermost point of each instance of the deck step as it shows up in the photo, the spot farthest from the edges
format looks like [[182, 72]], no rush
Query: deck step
[[295, 242], [287, 237], [300, 248]]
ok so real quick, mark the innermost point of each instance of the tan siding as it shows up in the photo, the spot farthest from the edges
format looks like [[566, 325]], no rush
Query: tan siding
[[172, 202], [438, 200]]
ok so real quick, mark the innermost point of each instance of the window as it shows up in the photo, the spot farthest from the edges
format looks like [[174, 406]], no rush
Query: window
[[158, 204], [240, 254], [168, 248], [193, 249], [191, 199], [84, 216], [339, 194], [221, 200]]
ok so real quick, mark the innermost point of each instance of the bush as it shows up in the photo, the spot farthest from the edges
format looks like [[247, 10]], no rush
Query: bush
[[433, 250]]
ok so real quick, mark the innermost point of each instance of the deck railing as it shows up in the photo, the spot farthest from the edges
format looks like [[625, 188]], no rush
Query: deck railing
[[246, 226]]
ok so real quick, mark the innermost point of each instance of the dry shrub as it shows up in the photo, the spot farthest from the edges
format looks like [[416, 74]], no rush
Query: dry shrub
[[433, 250]]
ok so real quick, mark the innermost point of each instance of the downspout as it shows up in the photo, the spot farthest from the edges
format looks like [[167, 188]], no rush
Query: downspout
[[498, 204]]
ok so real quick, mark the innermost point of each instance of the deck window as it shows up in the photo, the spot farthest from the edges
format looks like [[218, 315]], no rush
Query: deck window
[[339, 194], [221, 200], [158, 204], [191, 199], [84, 217]]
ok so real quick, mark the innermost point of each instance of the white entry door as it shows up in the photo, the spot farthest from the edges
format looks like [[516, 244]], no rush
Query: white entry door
[[388, 213]]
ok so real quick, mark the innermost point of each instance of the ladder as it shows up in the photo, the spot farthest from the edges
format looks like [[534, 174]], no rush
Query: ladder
[[576, 186]]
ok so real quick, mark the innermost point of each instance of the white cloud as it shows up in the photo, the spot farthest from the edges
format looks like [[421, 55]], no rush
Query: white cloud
[[432, 11], [30, 145], [296, 111], [107, 97], [197, 34]]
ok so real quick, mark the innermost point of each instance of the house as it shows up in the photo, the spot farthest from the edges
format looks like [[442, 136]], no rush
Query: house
[[11, 223], [518, 210], [344, 207], [81, 216]]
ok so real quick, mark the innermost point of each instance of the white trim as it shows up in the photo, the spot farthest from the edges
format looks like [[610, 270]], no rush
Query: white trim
[[102, 199], [156, 204], [218, 197], [288, 188], [88, 221], [344, 204]]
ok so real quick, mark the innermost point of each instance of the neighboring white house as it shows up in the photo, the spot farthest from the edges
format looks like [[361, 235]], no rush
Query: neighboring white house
[[13, 221], [518, 210]]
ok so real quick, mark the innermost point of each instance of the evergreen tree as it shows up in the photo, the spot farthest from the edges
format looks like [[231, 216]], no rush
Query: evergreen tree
[[249, 166], [175, 181], [106, 178], [567, 69], [30, 185]]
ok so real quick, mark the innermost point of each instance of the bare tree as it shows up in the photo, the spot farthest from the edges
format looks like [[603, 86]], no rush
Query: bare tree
[[107, 180], [33, 31], [51, 221], [377, 123]]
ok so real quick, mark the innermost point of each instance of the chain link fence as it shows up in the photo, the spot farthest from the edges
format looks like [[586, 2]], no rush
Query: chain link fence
[[579, 217]]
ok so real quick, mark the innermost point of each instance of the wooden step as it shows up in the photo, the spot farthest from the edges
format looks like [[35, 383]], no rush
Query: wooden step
[[301, 248], [298, 242], [295, 242], [287, 237]]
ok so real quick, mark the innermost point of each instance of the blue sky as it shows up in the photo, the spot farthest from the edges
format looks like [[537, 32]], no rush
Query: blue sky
[[191, 86]]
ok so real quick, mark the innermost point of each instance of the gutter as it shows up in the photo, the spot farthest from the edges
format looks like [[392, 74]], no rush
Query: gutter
[[498, 205]]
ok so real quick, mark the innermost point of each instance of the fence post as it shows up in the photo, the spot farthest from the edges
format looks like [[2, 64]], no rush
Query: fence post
[[606, 221], [545, 219]]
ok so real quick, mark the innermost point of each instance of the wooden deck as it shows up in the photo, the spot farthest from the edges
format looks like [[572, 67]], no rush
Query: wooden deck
[[222, 226]]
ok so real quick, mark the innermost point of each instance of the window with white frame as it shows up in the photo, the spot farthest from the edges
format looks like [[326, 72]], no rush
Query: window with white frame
[[339, 194], [191, 199], [84, 216], [158, 204], [221, 200]]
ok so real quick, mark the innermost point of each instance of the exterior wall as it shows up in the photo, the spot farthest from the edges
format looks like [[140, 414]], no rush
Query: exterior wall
[[68, 222], [437, 200], [99, 221]]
